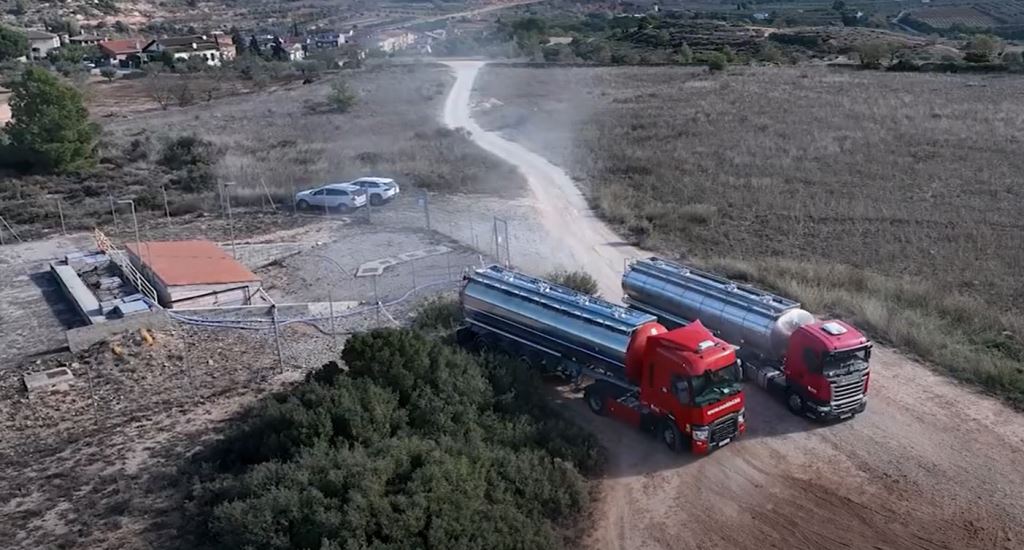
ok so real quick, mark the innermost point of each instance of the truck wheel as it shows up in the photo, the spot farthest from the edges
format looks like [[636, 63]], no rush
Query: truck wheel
[[795, 403], [483, 345], [671, 436], [595, 400], [526, 361]]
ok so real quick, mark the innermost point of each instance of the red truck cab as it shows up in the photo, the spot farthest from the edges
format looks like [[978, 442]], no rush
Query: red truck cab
[[827, 370], [685, 386]]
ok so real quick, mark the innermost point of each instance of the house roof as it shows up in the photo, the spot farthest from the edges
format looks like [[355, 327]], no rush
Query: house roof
[[197, 262], [86, 38], [121, 47], [33, 34]]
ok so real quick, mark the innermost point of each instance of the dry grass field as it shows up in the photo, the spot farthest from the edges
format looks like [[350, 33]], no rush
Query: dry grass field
[[892, 199], [273, 136]]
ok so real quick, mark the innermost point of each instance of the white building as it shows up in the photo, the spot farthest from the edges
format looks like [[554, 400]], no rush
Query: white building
[[40, 43]]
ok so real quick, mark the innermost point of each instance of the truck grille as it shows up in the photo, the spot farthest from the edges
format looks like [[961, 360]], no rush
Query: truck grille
[[847, 393], [724, 428]]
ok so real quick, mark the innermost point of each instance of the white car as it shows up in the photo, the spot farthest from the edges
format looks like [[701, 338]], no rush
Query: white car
[[381, 190], [340, 196]]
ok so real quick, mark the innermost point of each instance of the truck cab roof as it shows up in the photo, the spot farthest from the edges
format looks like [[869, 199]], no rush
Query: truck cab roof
[[835, 335], [700, 351]]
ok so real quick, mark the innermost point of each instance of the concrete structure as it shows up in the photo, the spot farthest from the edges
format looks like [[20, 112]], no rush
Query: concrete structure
[[93, 285], [391, 41], [126, 53], [53, 379], [40, 43], [194, 274], [213, 49], [86, 40]]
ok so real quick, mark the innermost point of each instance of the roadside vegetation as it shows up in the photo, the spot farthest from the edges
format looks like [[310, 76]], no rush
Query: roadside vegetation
[[870, 196], [579, 281], [416, 444]]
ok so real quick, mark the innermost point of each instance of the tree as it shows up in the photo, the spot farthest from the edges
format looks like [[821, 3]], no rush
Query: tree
[[72, 27], [839, 6], [981, 48], [872, 53], [109, 73], [341, 99], [50, 129], [717, 61], [684, 55], [13, 44], [579, 281]]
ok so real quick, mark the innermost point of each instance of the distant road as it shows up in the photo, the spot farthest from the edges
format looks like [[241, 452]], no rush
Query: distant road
[[477, 11]]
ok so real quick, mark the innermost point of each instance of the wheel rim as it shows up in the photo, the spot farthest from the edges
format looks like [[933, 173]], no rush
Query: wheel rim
[[669, 436], [595, 402], [795, 403]]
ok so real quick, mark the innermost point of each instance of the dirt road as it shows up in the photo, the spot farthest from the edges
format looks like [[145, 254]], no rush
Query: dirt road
[[931, 464]]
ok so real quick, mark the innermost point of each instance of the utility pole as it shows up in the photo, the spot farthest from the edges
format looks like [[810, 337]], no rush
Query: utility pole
[[60, 212]]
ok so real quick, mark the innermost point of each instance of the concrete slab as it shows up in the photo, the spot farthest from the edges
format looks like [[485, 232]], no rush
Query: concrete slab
[[377, 267], [54, 379]]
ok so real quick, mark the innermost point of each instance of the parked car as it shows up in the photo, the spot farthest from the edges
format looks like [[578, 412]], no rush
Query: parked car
[[381, 190], [340, 196]]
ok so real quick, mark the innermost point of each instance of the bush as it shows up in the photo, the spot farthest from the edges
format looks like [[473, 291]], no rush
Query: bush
[[13, 44], [576, 280], [717, 61], [185, 151], [873, 53], [109, 73], [341, 99], [438, 314], [418, 445]]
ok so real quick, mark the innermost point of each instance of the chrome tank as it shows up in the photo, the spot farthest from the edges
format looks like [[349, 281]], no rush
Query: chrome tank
[[741, 315], [549, 317]]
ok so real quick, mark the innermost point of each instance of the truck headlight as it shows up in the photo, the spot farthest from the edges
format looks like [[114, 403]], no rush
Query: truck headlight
[[701, 433], [742, 418]]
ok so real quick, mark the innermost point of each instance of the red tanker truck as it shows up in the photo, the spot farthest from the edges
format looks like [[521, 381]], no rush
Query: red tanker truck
[[682, 384], [820, 368]]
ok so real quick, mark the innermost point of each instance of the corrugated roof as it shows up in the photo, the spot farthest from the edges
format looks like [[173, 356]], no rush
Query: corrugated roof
[[192, 263]]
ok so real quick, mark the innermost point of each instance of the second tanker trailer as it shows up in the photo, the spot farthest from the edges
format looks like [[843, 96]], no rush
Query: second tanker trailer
[[820, 368], [682, 384]]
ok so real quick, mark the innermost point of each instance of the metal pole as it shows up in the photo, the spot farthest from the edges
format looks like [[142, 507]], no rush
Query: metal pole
[[277, 338], [508, 247], [295, 207], [330, 303], [231, 223], [413, 263], [60, 211], [135, 220], [426, 208], [167, 208], [376, 299], [113, 212]]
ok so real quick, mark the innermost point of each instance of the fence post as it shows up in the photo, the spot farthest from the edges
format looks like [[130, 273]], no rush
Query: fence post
[[167, 208], [277, 338], [330, 303], [113, 212], [425, 201], [60, 212]]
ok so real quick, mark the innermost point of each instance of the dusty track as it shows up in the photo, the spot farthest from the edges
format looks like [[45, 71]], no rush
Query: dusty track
[[931, 464]]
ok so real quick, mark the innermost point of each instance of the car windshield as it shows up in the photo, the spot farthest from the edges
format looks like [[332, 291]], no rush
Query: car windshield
[[714, 385], [846, 362]]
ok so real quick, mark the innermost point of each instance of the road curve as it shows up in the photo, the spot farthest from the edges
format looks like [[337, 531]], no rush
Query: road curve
[[930, 464]]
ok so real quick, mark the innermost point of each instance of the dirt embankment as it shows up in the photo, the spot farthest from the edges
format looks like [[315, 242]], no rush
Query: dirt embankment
[[931, 464]]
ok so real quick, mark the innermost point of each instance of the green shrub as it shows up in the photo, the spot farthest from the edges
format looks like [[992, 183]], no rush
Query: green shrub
[[442, 313], [417, 445], [577, 280], [341, 99]]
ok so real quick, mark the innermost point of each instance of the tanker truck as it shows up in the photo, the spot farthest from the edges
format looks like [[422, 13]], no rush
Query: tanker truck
[[682, 384], [819, 368]]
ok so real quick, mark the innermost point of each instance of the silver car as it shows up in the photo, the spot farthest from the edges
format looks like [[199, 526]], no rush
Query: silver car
[[339, 196], [381, 190]]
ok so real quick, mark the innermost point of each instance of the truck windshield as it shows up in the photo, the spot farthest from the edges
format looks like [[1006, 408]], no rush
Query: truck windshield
[[846, 362], [714, 385]]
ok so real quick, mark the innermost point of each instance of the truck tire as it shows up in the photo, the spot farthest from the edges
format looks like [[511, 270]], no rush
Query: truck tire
[[595, 400], [484, 344], [670, 435], [795, 403]]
